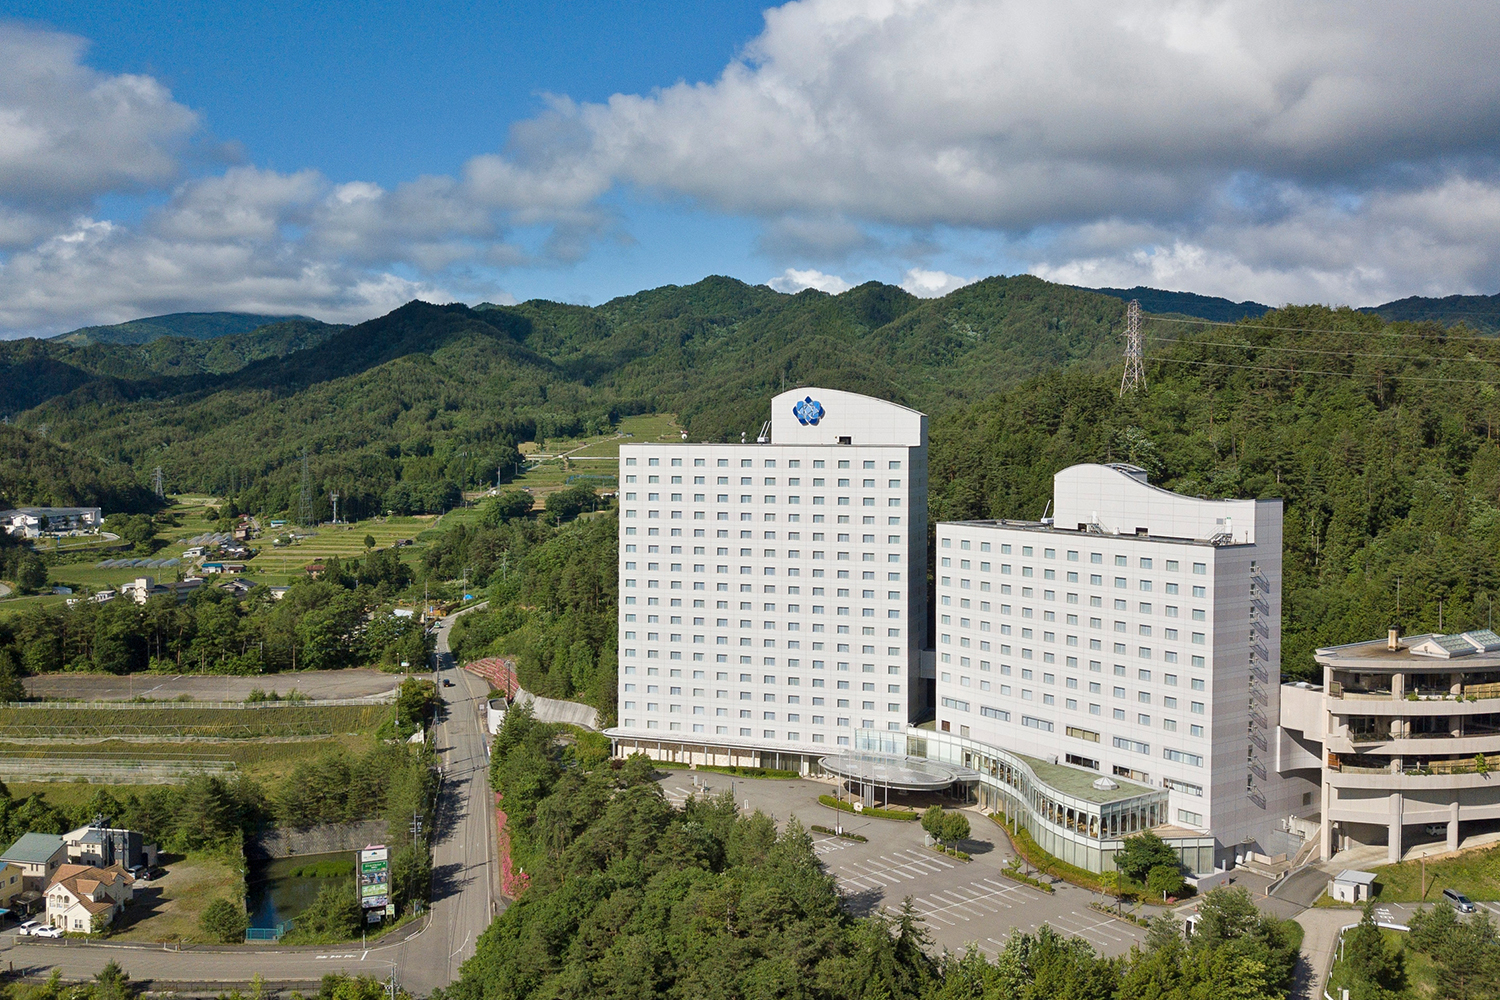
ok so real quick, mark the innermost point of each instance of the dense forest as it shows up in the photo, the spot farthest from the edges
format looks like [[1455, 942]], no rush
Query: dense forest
[[630, 897], [1385, 445], [341, 619], [552, 593]]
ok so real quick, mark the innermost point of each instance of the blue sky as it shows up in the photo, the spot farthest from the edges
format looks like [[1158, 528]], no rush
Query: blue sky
[[338, 159]]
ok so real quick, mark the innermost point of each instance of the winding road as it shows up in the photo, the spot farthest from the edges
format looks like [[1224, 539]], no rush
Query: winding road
[[465, 890]]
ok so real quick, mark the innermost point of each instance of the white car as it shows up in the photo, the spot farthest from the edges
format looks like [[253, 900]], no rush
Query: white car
[[27, 928], [47, 932]]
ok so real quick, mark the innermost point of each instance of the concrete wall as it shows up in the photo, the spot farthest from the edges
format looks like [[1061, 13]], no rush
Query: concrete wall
[[290, 843]]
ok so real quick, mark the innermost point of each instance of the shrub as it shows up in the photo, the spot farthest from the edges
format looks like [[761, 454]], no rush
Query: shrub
[[224, 921]]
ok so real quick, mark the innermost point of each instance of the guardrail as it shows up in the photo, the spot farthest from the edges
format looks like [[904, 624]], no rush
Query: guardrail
[[268, 933]]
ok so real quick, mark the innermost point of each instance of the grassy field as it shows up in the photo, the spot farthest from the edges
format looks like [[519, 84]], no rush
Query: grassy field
[[262, 759], [1474, 873], [168, 908], [70, 795], [558, 461], [190, 720]]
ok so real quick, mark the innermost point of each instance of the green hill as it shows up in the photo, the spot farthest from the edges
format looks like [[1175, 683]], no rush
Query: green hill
[[446, 393], [1482, 312], [33, 371], [1209, 307], [194, 326]]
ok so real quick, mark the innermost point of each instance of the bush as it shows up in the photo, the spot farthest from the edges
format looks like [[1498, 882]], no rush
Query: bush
[[224, 921], [900, 814]]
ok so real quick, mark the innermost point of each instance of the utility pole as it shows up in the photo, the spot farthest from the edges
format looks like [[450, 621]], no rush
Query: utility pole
[[156, 483], [1135, 371]]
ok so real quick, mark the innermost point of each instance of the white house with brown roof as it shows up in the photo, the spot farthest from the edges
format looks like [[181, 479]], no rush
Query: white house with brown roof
[[80, 894]]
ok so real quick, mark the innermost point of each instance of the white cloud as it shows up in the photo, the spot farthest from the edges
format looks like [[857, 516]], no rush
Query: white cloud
[[69, 134], [1284, 151], [792, 280], [933, 284]]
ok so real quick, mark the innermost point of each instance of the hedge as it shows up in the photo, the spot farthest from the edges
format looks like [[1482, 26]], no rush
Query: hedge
[[902, 814]]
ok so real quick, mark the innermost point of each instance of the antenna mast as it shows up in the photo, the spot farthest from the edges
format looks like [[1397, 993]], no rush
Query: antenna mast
[[156, 483], [1135, 371], [305, 505]]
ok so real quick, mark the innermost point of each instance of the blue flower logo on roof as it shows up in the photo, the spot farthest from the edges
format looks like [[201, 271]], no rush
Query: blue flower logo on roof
[[809, 411]]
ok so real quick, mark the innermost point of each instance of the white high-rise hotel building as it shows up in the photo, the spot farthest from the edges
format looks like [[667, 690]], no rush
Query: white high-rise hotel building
[[1107, 669], [1135, 633], [774, 594]]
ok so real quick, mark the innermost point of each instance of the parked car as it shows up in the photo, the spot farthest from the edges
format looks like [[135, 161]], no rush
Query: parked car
[[28, 928], [1436, 829], [1460, 902], [47, 932]]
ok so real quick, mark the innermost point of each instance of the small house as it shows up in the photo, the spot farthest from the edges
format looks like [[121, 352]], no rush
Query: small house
[[1350, 886], [37, 857], [80, 895]]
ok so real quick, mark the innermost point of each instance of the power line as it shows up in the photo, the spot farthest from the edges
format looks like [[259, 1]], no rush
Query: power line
[[1250, 324], [1311, 371], [1304, 350]]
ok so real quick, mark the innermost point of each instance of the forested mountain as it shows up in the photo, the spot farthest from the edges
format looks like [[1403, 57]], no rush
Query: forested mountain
[[1482, 312], [193, 326], [433, 393], [33, 371], [1210, 307], [35, 471]]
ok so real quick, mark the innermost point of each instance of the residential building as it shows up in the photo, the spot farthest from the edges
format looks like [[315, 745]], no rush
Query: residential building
[[37, 857], [1393, 738], [101, 846], [1134, 636], [80, 895], [33, 522], [143, 588], [773, 594], [10, 883]]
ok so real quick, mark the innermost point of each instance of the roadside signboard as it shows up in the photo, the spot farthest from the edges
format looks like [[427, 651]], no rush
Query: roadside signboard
[[374, 877]]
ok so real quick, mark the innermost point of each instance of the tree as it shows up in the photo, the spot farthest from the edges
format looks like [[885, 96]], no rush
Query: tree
[[1372, 968], [1143, 852], [933, 819], [369, 541], [1164, 880], [113, 983], [31, 573], [955, 828], [11, 688], [224, 921], [1227, 913], [507, 507]]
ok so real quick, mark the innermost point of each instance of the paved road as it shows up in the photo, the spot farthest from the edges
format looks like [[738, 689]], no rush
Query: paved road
[[464, 875]]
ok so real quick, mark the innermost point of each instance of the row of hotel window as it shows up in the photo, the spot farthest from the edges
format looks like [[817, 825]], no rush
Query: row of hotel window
[[769, 734], [1073, 555], [1047, 726], [1095, 580], [893, 708], [769, 463], [770, 536], [1095, 645], [1118, 714], [867, 484]]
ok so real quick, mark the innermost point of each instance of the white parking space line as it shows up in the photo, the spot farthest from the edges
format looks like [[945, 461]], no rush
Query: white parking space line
[[1088, 928]]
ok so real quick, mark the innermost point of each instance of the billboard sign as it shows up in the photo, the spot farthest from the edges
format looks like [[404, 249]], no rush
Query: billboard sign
[[374, 876]]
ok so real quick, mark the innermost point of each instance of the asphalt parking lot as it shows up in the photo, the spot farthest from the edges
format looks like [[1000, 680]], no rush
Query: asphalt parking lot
[[961, 903]]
